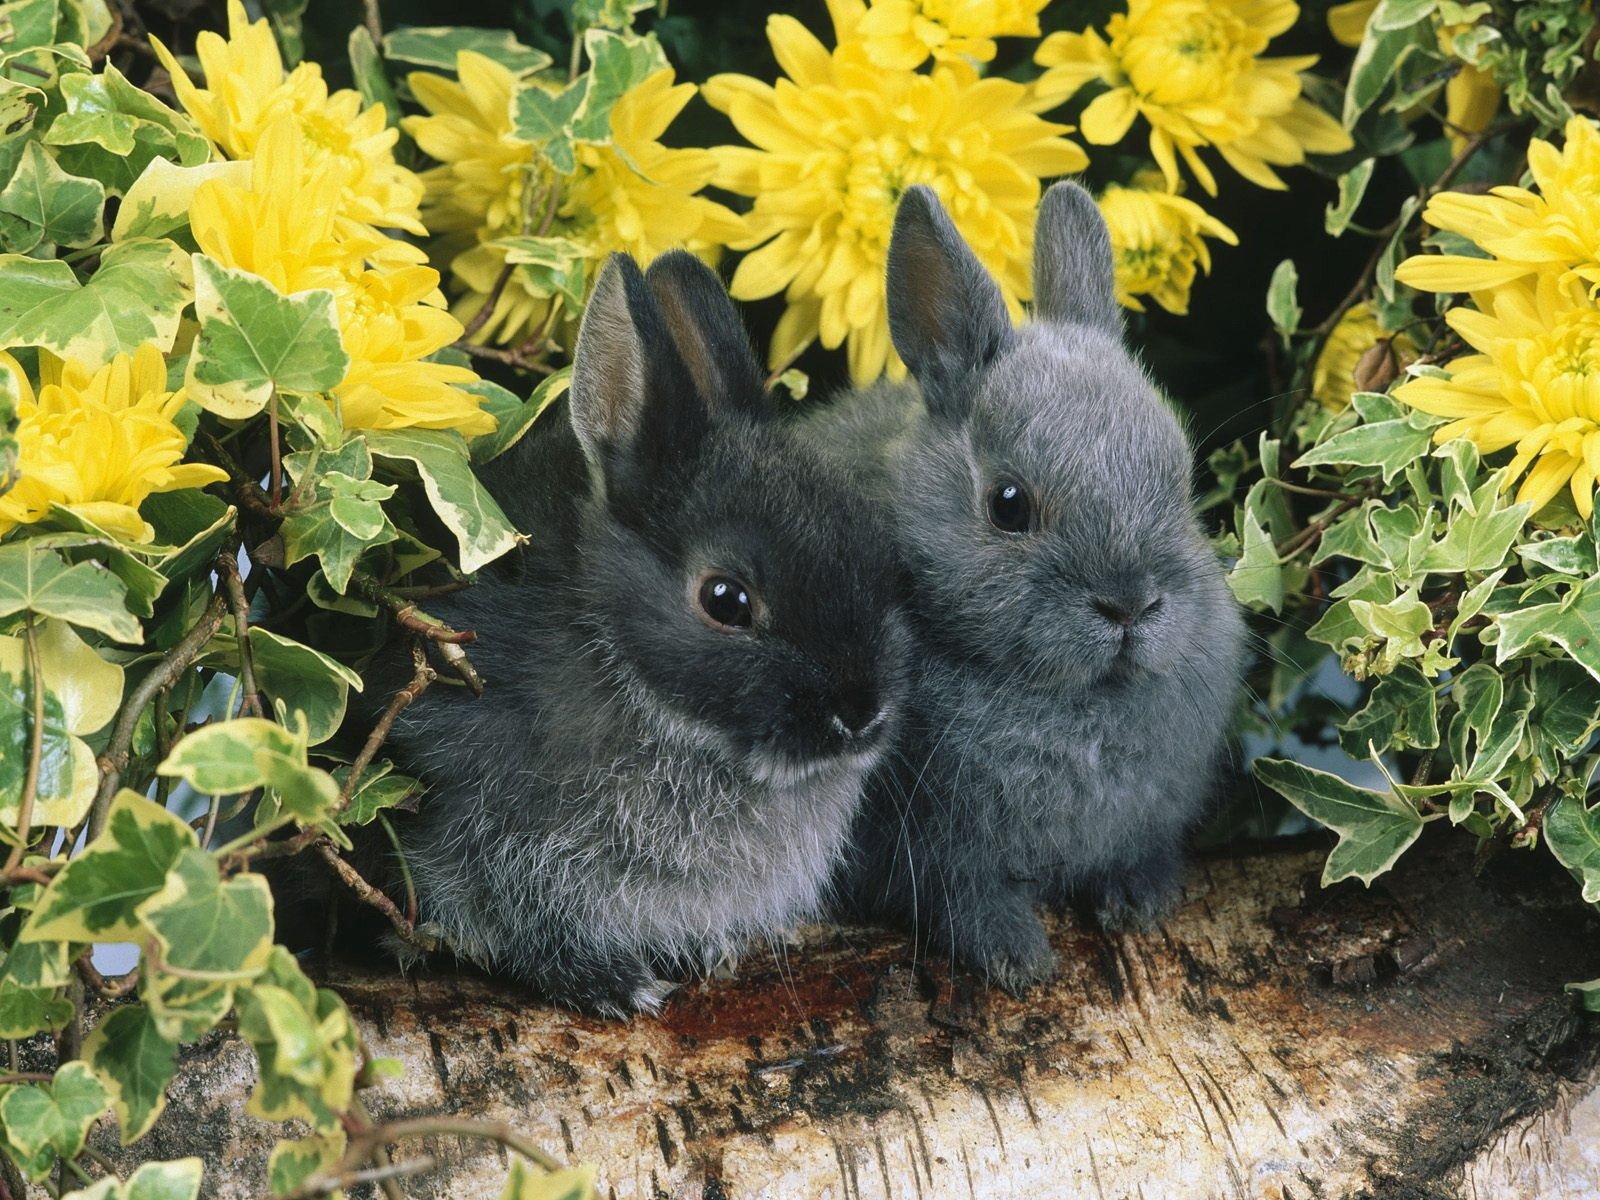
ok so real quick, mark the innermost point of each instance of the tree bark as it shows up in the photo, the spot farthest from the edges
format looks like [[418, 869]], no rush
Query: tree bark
[[1270, 1040]]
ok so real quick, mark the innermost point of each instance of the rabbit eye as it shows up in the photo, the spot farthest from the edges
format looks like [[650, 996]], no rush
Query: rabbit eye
[[726, 602], [1010, 508]]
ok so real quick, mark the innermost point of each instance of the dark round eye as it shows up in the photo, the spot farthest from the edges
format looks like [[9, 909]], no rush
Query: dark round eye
[[726, 602], [1010, 509]]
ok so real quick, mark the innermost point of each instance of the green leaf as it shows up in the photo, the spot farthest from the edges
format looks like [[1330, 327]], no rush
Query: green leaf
[[137, 295], [366, 66], [94, 898], [207, 927], [380, 789], [1479, 693], [1476, 541], [1572, 623], [1257, 578], [112, 130], [226, 757], [67, 776], [356, 505], [1282, 305], [513, 417], [437, 46], [254, 340], [26, 1011], [440, 457], [135, 1062], [1588, 994], [1389, 445], [305, 1044], [1399, 713], [1352, 187], [550, 266], [1574, 555], [1389, 260], [294, 1162], [1401, 624], [157, 203], [307, 681], [83, 594], [1572, 831], [618, 62], [1401, 14], [1377, 59], [525, 1183], [54, 1116], [1374, 828], [545, 118], [43, 206]]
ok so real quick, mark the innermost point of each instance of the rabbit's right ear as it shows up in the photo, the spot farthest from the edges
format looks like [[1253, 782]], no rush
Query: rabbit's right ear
[[946, 315], [631, 400], [709, 335]]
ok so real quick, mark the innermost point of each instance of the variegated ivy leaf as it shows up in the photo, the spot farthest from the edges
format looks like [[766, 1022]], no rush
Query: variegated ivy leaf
[[528, 1183], [305, 1043], [112, 130], [482, 531], [255, 340], [53, 1117], [136, 295], [37, 581], [1572, 831], [44, 207], [436, 46], [157, 204], [312, 686], [135, 1061], [292, 1162], [177, 1180], [1257, 578], [1374, 828], [226, 757], [1573, 624], [556, 121]]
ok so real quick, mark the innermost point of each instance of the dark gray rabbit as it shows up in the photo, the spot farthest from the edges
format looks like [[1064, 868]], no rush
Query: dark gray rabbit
[[1078, 654], [688, 675]]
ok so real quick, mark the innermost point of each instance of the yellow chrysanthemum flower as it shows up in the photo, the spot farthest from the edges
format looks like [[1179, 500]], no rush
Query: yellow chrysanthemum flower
[[388, 331], [1157, 244], [1556, 229], [834, 146], [97, 441], [633, 194], [1191, 69], [1471, 96], [900, 35], [1534, 384], [1333, 378], [247, 87], [281, 226]]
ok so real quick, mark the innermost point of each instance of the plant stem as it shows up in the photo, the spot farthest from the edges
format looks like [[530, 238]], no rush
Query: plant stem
[[228, 570]]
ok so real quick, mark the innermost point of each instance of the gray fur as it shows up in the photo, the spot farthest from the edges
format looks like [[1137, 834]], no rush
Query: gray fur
[[1049, 753], [638, 793]]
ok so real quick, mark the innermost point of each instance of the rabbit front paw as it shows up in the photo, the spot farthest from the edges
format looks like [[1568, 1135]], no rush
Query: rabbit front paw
[[1007, 943], [619, 990]]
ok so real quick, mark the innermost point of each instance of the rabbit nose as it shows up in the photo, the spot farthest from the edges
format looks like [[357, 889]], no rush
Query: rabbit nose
[[856, 712], [1123, 612]]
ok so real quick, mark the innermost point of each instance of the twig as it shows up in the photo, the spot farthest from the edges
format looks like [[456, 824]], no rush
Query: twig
[[245, 489], [30, 780], [113, 761], [272, 442], [1297, 542], [486, 309], [112, 37], [489, 1131], [511, 358], [108, 988], [228, 569], [321, 1185], [374, 21], [370, 895], [408, 616], [422, 675]]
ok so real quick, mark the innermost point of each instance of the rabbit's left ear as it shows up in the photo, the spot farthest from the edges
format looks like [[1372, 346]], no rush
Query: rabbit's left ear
[[709, 336], [1073, 276], [946, 315]]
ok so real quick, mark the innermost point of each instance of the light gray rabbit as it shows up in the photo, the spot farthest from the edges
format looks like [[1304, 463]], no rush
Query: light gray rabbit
[[689, 672], [1078, 655]]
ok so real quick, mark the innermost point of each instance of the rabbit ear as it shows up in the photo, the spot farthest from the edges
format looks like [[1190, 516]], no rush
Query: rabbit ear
[[630, 395], [946, 315], [1073, 278], [709, 335]]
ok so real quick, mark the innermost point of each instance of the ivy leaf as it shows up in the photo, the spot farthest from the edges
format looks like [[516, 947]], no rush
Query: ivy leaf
[[158, 202], [366, 67], [513, 417], [250, 752], [305, 1043], [618, 62], [254, 339], [207, 927], [1377, 59], [1588, 994], [45, 206], [177, 1180], [26, 1011], [111, 131], [1400, 712], [84, 594], [524, 1183], [94, 898], [356, 505], [1282, 305], [437, 46], [307, 681], [1257, 578], [1388, 445], [545, 118], [1352, 187], [1572, 832], [54, 1116], [67, 774], [1476, 541], [1574, 555], [294, 1162], [135, 1062], [1572, 623], [380, 788], [1374, 828], [137, 295], [440, 457], [549, 266]]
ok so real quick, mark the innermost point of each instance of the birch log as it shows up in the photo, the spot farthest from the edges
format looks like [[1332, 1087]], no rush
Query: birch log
[[1271, 1040]]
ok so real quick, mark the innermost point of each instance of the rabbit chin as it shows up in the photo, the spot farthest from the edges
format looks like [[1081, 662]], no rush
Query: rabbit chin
[[1095, 660], [780, 770]]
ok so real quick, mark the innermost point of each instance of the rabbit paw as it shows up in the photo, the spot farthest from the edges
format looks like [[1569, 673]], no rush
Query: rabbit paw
[[618, 993], [1135, 903], [1010, 948]]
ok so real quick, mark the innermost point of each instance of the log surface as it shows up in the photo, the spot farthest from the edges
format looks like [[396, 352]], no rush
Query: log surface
[[1270, 1040]]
